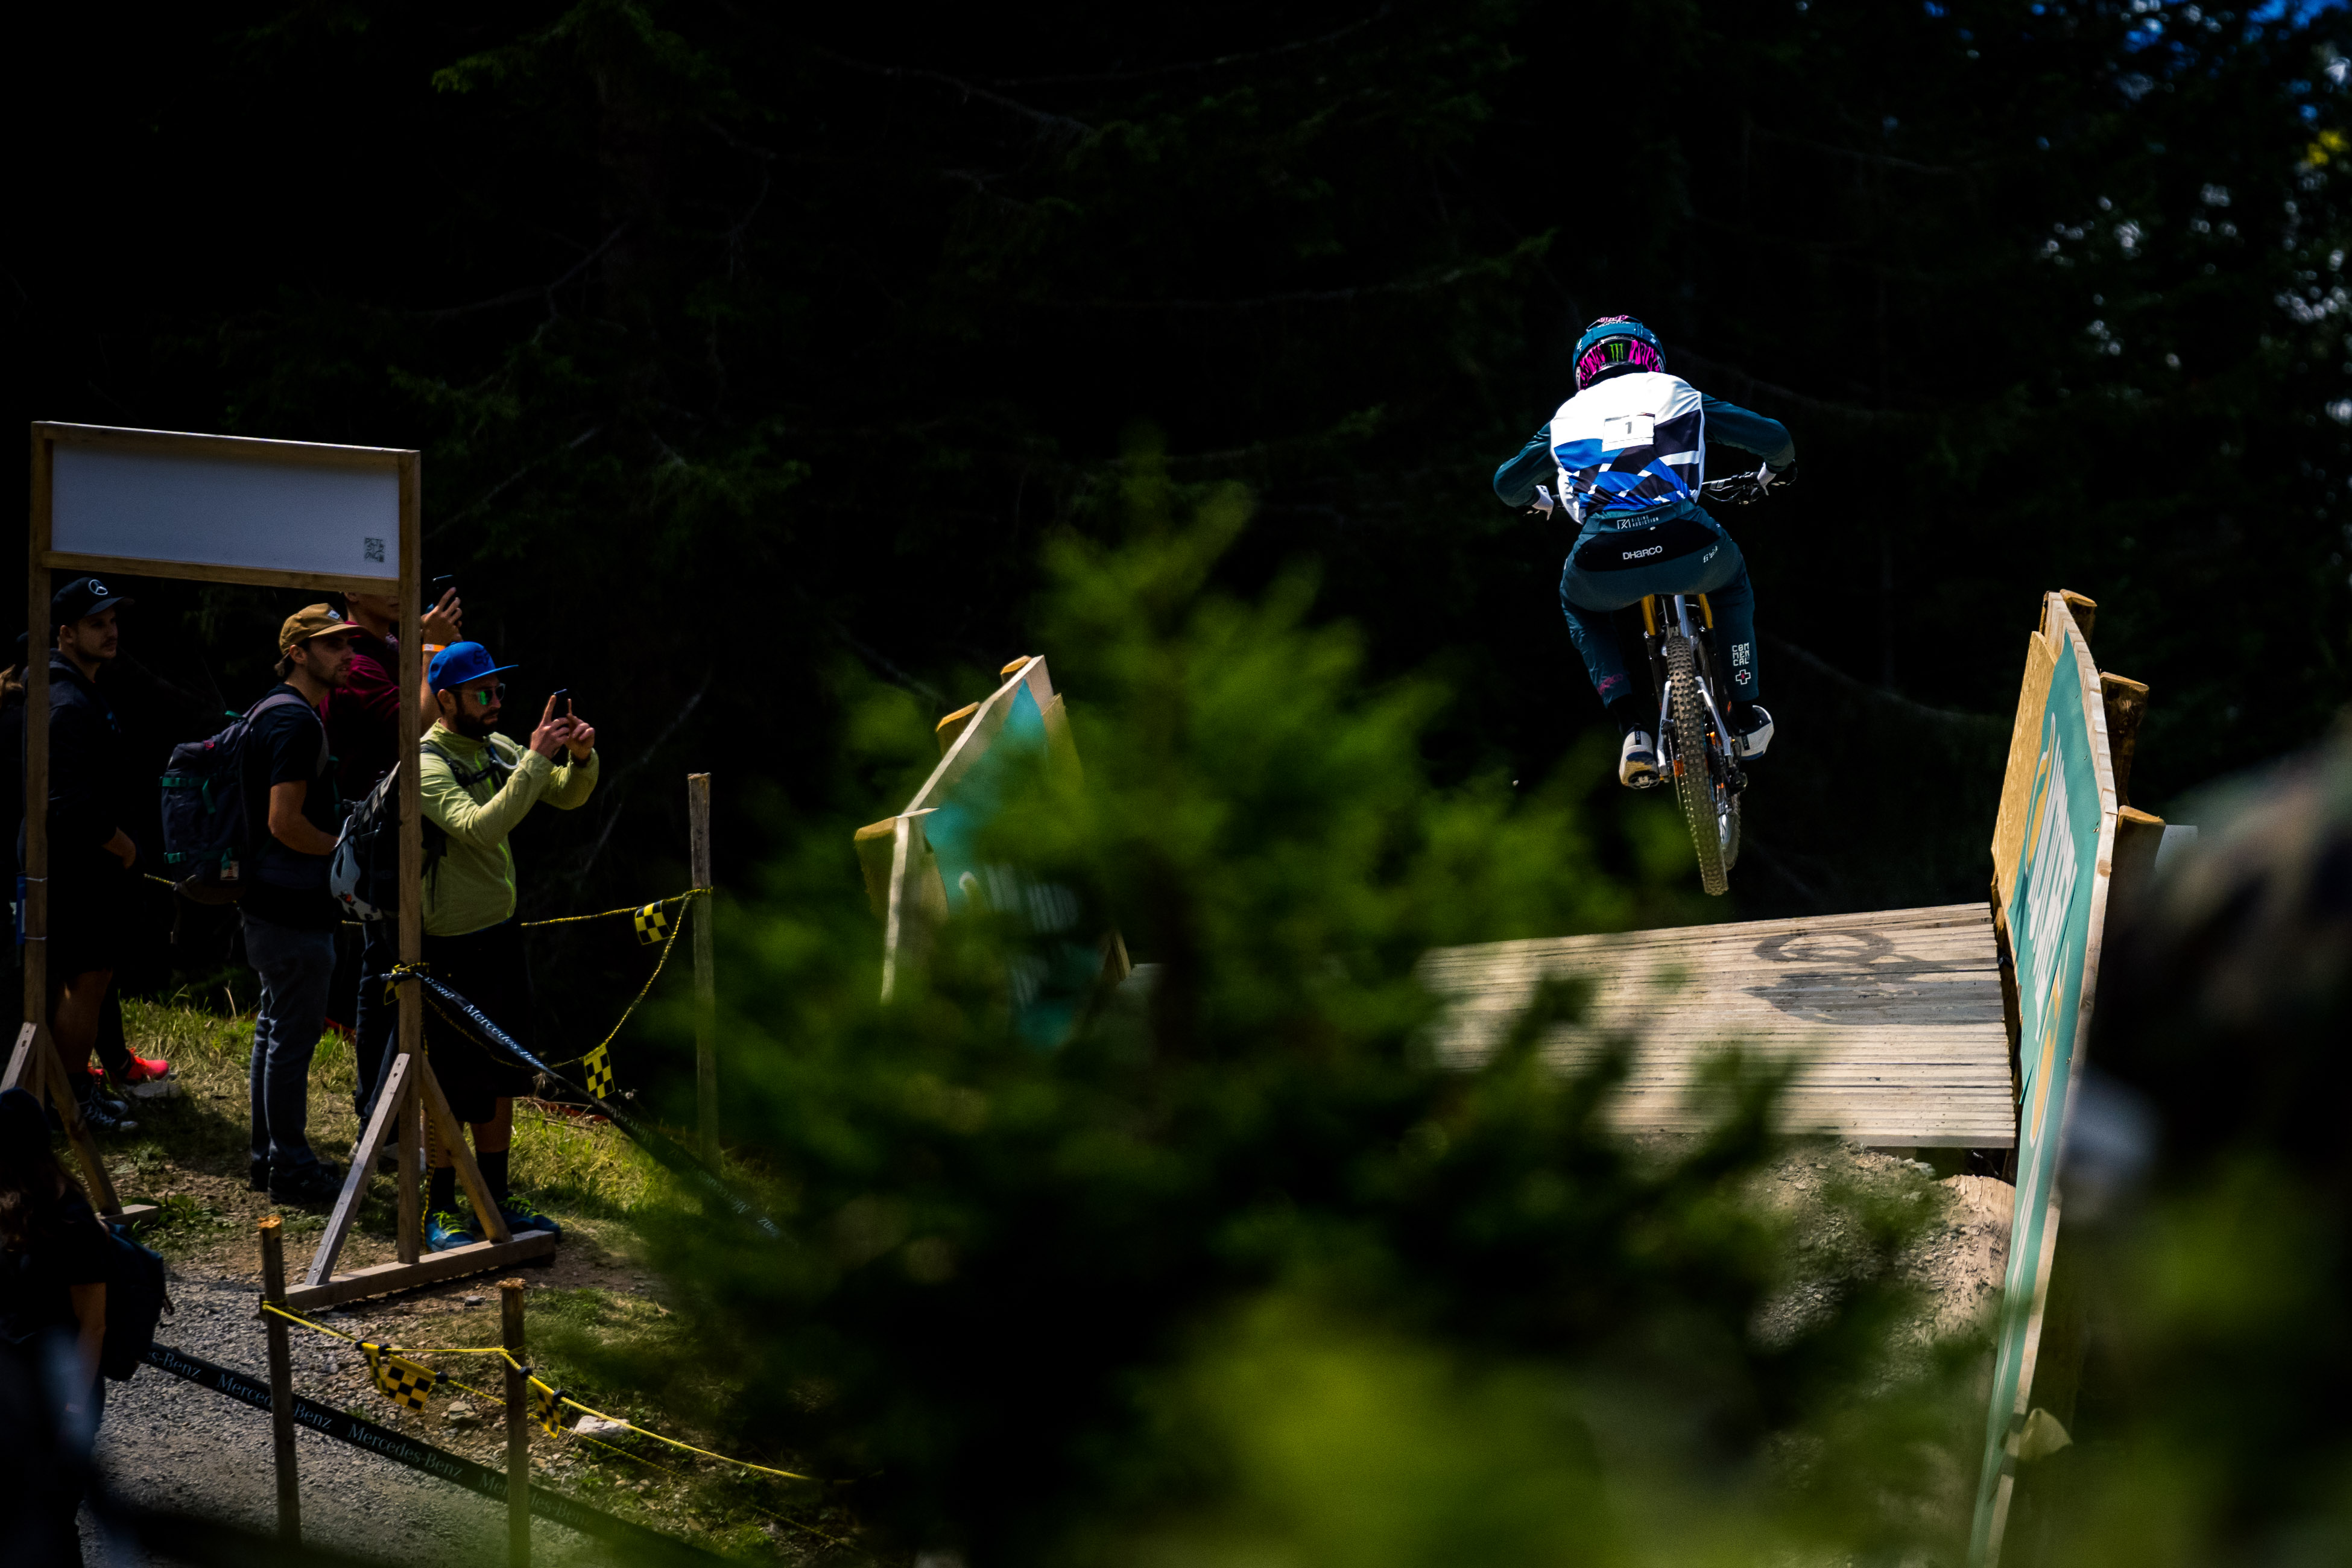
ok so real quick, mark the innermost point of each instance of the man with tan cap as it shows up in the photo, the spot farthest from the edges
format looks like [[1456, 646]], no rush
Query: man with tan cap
[[289, 919]]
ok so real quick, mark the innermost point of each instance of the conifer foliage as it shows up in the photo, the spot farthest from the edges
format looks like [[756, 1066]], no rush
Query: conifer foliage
[[1243, 1265]]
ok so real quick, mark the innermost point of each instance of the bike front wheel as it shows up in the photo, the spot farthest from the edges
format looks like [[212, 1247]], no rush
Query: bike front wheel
[[1711, 810]]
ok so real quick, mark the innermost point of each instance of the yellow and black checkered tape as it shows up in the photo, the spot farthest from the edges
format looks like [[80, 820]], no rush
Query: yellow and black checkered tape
[[547, 1408], [405, 1382], [599, 1066], [653, 922]]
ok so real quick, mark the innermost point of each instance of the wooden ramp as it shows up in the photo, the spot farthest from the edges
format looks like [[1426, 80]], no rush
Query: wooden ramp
[[1895, 1017]]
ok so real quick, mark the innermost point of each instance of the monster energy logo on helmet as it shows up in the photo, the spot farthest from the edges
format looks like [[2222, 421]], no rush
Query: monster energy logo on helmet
[[1615, 343]]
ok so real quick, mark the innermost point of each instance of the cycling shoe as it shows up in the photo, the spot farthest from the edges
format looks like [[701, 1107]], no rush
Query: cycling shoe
[[1757, 738], [1637, 761]]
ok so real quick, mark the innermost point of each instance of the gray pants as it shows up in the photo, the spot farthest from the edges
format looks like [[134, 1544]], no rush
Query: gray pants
[[371, 1031], [296, 967]]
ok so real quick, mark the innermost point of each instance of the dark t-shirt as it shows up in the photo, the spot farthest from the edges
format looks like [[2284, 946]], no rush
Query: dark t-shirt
[[89, 777], [65, 1248], [287, 887]]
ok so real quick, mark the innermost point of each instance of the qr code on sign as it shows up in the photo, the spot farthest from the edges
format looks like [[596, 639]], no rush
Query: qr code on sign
[[373, 549]]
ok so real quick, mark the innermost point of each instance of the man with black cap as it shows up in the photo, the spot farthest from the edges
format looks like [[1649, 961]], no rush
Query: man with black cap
[[90, 855], [288, 918], [476, 786]]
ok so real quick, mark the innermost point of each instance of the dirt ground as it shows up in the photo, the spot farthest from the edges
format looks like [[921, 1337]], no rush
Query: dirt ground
[[1956, 1263], [168, 1444]]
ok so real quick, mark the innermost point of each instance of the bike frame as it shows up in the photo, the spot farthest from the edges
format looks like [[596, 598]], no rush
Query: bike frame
[[1696, 753]]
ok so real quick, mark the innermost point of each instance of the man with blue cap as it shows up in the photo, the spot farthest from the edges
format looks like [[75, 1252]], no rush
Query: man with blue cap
[[478, 785]]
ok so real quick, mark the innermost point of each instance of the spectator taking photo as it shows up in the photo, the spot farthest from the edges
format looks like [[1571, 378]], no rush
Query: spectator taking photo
[[288, 917], [478, 786]]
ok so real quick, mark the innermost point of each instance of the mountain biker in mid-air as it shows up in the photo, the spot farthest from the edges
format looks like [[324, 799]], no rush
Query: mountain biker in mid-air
[[1629, 454]]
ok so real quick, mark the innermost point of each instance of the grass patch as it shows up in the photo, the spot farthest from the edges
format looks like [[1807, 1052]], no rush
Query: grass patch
[[589, 1167], [567, 1167], [619, 1352]]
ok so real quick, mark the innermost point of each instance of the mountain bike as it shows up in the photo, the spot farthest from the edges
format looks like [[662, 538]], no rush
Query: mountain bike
[[1696, 753]]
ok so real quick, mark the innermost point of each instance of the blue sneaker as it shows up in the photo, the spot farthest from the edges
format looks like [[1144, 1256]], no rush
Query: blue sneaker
[[443, 1230], [522, 1218]]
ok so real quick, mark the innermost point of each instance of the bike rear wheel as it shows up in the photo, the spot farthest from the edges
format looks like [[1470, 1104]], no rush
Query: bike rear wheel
[[1694, 782]]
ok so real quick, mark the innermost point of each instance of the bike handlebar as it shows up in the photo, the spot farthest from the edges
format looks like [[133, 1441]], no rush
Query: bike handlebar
[[1742, 488]]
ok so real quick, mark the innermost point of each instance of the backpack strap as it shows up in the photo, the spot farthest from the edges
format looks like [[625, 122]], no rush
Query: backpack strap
[[279, 699], [493, 766]]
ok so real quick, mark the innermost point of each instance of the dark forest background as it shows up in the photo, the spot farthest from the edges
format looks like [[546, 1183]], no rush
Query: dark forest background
[[755, 351]]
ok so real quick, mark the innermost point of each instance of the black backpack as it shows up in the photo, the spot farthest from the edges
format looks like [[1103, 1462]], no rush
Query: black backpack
[[364, 875], [135, 1300], [208, 825]]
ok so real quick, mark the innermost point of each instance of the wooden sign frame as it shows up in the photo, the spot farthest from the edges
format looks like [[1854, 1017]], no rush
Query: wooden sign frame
[[2048, 1062], [902, 875], [409, 1091]]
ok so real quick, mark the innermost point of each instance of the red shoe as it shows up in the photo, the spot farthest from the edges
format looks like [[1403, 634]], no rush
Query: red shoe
[[147, 1078]]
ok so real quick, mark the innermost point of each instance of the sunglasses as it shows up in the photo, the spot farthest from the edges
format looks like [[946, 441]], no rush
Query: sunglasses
[[483, 696]]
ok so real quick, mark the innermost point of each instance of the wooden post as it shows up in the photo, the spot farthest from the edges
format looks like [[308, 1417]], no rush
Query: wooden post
[[36, 912], [411, 996], [2084, 608], [281, 1382], [2126, 704], [705, 1024], [518, 1427], [383, 1123]]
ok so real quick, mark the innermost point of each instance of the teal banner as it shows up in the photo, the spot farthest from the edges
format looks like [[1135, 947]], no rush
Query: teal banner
[[2049, 915], [1052, 971]]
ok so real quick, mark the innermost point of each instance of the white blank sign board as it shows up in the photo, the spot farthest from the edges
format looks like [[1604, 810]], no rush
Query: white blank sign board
[[334, 520]]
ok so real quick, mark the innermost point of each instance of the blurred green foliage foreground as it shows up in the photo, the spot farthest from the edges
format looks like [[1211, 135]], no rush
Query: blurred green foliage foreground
[[1240, 1272]]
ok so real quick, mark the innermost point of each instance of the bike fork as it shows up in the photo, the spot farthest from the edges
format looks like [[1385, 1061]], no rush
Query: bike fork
[[1683, 623]]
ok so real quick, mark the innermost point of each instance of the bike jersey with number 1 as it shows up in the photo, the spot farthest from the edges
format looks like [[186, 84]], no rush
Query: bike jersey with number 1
[[1630, 445], [1627, 472]]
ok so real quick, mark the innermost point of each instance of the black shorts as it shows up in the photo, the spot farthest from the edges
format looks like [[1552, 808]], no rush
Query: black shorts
[[488, 969], [89, 915]]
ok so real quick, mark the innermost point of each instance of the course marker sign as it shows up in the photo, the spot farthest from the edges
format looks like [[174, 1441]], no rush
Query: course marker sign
[[2053, 848]]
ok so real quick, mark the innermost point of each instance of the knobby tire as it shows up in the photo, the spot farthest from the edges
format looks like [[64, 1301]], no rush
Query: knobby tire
[[1694, 781]]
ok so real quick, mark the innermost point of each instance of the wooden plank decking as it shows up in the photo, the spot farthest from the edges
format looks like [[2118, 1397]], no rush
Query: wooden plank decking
[[1895, 1017]]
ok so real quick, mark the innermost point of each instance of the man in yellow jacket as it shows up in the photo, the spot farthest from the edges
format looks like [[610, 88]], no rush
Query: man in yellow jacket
[[478, 785]]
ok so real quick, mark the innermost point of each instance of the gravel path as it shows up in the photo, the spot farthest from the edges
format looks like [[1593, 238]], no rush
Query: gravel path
[[170, 1445]]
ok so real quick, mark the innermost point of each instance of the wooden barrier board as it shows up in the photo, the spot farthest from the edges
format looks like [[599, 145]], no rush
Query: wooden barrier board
[[1894, 1016]]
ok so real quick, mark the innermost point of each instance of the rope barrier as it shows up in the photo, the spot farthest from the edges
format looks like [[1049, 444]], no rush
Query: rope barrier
[[682, 1478], [665, 1151], [413, 1398], [631, 910], [643, 991], [341, 1425], [669, 929], [276, 1310], [653, 922], [564, 1398]]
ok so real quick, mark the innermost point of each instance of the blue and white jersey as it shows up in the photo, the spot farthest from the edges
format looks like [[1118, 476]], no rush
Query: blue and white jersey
[[1630, 445]]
